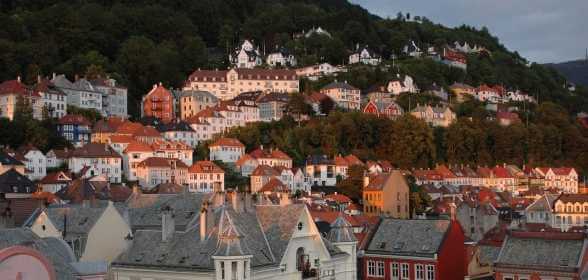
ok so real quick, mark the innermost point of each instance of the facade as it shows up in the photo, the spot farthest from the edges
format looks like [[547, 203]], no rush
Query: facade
[[477, 218], [54, 100], [564, 179], [434, 116], [205, 176], [541, 255], [76, 129], [80, 93], [54, 182], [454, 59], [16, 192], [272, 106], [314, 72], [415, 249], [262, 175], [271, 157], [386, 194], [98, 159], [246, 56], [381, 108], [570, 211], [281, 58], [114, 97], [345, 95], [158, 103], [226, 85], [192, 102], [35, 162], [176, 150], [364, 55], [401, 84], [158, 170], [181, 132], [462, 91], [227, 150], [134, 153], [14, 90]]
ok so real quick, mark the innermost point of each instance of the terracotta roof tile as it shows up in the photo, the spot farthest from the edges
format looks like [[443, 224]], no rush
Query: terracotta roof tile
[[205, 166], [231, 142]]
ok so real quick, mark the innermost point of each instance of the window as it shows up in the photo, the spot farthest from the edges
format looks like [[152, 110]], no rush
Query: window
[[420, 272], [404, 271], [375, 268], [430, 272], [395, 271]]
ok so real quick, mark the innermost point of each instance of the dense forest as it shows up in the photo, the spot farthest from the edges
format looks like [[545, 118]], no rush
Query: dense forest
[[142, 42]]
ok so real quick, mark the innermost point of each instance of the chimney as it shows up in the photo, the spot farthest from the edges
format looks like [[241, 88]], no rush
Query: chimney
[[453, 211], [38, 78], [284, 199], [18, 79], [54, 75], [248, 201], [168, 225], [203, 221], [76, 77], [366, 179], [261, 147]]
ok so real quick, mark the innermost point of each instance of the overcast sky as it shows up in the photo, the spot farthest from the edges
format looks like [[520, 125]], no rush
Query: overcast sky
[[540, 30]]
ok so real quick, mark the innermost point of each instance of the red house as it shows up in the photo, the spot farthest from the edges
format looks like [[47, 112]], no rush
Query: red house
[[415, 250], [158, 103], [383, 109]]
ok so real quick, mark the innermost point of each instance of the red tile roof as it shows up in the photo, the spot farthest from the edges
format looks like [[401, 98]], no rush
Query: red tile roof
[[205, 166], [231, 142], [162, 162], [58, 177], [274, 185], [95, 150], [136, 146], [339, 198], [16, 87], [264, 170], [74, 119]]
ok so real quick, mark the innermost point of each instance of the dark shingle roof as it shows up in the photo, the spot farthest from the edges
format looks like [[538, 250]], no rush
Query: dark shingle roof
[[409, 237], [334, 85], [559, 251], [6, 159], [11, 179]]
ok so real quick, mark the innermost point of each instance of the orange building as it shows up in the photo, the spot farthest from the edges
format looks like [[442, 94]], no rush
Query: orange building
[[386, 194], [158, 103]]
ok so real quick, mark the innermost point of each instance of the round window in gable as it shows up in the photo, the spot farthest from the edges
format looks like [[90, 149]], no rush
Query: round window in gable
[[300, 226]]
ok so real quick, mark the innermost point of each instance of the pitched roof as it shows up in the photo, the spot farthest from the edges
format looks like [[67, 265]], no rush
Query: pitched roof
[[341, 231], [162, 162], [264, 170], [137, 146], [58, 177], [231, 142], [11, 180], [17, 87], [6, 159], [572, 198], [80, 190], [274, 185], [167, 188], [266, 74], [74, 119], [557, 251], [243, 159], [95, 150], [117, 138], [205, 166], [272, 153], [339, 85], [339, 198], [409, 237]]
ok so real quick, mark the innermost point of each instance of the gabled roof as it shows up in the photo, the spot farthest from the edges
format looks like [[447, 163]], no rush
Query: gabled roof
[[11, 180], [264, 170], [175, 126], [230, 142], [162, 162], [74, 119], [572, 198], [84, 189], [58, 177], [6, 159], [137, 146], [243, 159], [95, 150], [341, 231], [556, 251], [17, 87], [545, 203], [417, 238], [274, 185], [339, 85]]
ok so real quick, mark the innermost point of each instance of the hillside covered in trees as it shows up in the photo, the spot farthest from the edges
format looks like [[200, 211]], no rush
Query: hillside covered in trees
[[142, 42]]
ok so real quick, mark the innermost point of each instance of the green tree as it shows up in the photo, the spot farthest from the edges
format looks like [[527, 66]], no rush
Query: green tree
[[352, 185]]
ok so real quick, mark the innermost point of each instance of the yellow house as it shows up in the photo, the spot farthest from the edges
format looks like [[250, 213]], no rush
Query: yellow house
[[386, 194]]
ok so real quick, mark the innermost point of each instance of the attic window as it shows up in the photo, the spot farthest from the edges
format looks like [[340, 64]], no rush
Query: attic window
[[83, 221], [300, 226], [382, 245], [398, 245], [161, 257], [139, 257]]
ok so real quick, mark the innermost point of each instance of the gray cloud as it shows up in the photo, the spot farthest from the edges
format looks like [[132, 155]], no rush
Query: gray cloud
[[540, 30]]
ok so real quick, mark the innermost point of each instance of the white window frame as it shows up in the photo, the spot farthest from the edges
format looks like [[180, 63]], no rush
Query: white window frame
[[419, 272], [404, 271], [430, 272], [394, 271]]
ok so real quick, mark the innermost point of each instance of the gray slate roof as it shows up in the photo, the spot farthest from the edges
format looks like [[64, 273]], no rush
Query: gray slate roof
[[409, 237], [145, 209], [488, 254], [545, 203], [341, 231], [543, 253], [261, 231], [54, 250]]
